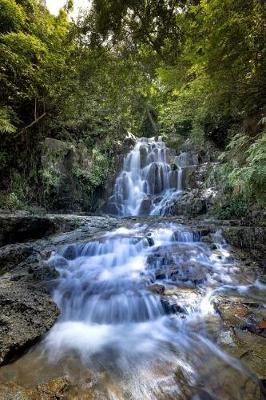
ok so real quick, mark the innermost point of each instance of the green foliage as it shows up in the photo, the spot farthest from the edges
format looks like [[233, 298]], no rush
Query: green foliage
[[10, 201], [248, 167], [241, 177], [154, 24], [50, 179], [184, 69], [232, 207], [15, 198], [6, 125], [101, 165], [13, 16]]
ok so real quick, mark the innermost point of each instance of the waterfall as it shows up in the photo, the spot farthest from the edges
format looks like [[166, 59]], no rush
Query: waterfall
[[115, 321], [148, 180]]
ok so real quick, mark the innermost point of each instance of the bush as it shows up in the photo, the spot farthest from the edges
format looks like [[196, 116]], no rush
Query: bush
[[235, 207]]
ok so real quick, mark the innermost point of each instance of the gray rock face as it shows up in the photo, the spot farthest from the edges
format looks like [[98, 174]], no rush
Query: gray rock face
[[143, 156], [22, 227], [63, 166], [11, 255], [145, 207], [26, 313]]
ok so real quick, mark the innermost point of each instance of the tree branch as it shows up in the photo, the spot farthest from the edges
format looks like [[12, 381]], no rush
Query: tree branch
[[32, 123]]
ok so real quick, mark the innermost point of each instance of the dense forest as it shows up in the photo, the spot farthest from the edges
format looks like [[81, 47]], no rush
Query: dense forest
[[180, 69]]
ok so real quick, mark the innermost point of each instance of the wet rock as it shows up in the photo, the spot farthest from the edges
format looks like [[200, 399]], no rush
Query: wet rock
[[186, 391], [207, 239], [190, 272], [129, 142], [226, 338], [232, 313], [11, 255], [23, 227], [145, 207], [26, 313], [111, 208], [157, 288], [242, 312], [54, 389], [170, 306], [150, 240], [160, 274], [249, 348], [143, 156], [34, 269], [42, 271], [185, 295], [11, 391], [70, 252], [190, 205]]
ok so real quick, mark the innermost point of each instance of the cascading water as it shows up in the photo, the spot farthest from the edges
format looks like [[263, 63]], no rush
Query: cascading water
[[137, 316], [149, 182], [136, 340]]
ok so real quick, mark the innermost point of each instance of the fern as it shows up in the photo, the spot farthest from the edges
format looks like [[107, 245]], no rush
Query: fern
[[6, 125], [245, 173]]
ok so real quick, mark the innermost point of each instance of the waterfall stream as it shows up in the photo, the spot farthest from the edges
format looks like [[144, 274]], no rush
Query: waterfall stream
[[149, 182], [137, 314], [137, 304]]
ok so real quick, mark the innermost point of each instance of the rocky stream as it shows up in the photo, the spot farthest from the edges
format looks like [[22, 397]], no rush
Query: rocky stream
[[145, 303]]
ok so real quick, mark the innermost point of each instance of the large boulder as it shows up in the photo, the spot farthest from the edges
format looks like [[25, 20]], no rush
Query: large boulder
[[20, 227], [26, 313], [145, 206], [11, 255]]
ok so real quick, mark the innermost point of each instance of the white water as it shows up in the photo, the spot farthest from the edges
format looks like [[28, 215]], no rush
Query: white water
[[148, 182], [114, 324]]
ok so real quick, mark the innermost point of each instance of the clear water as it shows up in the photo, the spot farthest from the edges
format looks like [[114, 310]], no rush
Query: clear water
[[135, 343]]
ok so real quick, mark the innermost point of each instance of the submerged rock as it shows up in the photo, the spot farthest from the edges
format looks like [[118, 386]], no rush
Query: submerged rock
[[170, 306], [157, 288], [54, 389]]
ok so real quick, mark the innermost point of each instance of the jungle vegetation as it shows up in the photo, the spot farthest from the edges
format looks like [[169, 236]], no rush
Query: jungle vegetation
[[183, 69]]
